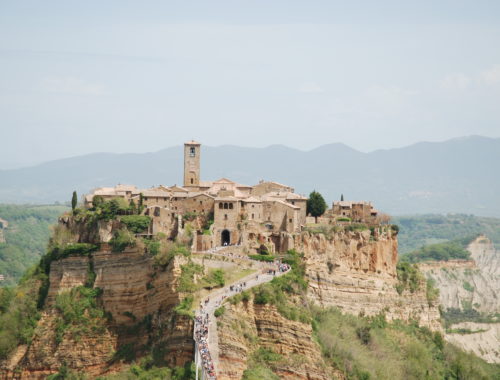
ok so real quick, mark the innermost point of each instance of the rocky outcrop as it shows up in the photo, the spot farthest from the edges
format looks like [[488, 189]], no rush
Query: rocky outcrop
[[134, 290], [245, 327], [480, 338], [356, 271], [469, 284]]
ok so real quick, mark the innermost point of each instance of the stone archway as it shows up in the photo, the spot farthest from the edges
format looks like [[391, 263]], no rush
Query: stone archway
[[225, 237]]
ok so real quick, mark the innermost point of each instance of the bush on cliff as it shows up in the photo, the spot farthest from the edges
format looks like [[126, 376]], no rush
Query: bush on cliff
[[121, 240], [79, 313], [136, 223]]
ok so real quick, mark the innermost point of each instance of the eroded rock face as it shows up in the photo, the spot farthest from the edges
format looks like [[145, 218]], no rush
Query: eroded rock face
[[245, 327], [471, 284], [133, 290], [467, 284], [356, 271]]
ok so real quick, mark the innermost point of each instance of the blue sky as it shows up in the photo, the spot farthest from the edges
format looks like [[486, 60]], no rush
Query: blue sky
[[129, 76]]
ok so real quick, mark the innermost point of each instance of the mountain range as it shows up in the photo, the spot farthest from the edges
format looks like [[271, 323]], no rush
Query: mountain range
[[455, 176]]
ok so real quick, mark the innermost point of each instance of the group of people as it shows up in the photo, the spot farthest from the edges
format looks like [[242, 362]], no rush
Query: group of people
[[201, 336], [202, 320]]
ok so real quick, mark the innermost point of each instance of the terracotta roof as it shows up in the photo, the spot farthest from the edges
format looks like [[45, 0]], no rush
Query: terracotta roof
[[192, 142]]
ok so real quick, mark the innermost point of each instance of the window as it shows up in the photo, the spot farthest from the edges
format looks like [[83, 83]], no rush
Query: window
[[253, 206], [290, 220], [253, 216], [230, 206], [226, 206], [221, 206], [192, 151], [293, 202], [225, 216], [192, 181]]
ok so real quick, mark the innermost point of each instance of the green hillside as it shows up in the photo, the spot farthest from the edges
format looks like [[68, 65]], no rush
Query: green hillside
[[417, 231], [26, 237]]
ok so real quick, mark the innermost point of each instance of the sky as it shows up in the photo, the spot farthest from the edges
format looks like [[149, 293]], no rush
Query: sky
[[137, 76]]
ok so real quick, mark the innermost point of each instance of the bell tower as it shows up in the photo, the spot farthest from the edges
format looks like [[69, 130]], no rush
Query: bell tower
[[191, 163]]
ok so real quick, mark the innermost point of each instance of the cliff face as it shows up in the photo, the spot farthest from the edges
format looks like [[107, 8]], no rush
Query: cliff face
[[356, 271], [471, 284], [133, 291], [245, 327], [467, 284]]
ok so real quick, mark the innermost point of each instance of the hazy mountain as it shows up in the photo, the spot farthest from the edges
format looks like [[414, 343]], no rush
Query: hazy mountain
[[459, 175]]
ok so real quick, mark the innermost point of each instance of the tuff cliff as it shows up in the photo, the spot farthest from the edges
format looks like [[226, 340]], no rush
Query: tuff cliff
[[137, 298], [471, 287], [356, 271], [246, 327]]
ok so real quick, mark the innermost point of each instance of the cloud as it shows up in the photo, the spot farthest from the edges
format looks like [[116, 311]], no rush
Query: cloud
[[490, 76], [310, 88], [455, 81], [72, 85]]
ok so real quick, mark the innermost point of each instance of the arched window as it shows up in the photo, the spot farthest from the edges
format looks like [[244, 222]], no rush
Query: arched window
[[226, 206], [221, 206], [192, 181], [230, 206], [192, 151]]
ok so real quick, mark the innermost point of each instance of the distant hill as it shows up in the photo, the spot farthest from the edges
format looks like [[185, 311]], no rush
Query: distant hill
[[26, 238], [455, 176]]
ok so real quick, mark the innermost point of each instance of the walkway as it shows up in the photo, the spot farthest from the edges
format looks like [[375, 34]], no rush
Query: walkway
[[205, 329]]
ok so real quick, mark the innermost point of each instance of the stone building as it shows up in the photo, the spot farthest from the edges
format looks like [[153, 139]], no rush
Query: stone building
[[361, 212], [256, 217]]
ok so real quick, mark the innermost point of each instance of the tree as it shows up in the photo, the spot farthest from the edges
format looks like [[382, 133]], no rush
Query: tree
[[316, 205], [74, 201], [141, 203], [341, 197]]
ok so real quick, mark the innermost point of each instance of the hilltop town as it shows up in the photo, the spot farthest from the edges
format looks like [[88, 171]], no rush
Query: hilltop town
[[260, 217]]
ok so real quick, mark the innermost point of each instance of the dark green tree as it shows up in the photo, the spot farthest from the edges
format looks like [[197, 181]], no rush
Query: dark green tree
[[133, 208], [316, 205], [140, 206], [74, 201], [341, 197]]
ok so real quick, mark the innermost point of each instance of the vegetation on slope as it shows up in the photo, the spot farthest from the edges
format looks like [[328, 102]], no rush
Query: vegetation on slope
[[420, 230], [26, 238], [369, 348], [364, 347], [449, 250]]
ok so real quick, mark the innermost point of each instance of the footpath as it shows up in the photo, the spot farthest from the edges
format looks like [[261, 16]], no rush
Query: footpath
[[205, 326]]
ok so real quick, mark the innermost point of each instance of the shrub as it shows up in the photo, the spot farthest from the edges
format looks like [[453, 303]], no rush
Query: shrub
[[343, 219], [78, 312], [215, 278], [185, 307], [136, 223], [79, 249], [121, 240], [409, 277], [266, 258], [467, 286], [219, 311], [186, 282], [168, 251]]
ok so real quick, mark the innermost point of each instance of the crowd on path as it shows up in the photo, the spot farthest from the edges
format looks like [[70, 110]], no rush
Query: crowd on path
[[201, 336], [203, 314]]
